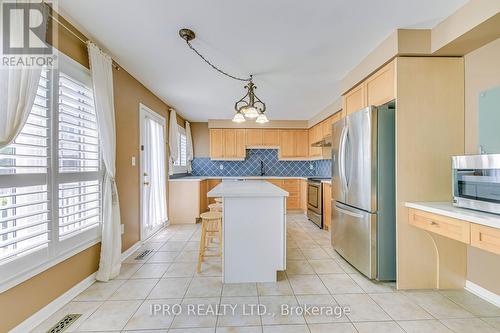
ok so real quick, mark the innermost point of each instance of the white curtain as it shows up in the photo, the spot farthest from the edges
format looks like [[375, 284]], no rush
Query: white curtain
[[18, 86], [155, 196], [102, 79], [189, 147], [173, 141]]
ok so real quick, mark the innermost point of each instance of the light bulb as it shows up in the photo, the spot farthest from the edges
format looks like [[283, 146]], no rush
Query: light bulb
[[261, 119], [250, 112], [238, 118]]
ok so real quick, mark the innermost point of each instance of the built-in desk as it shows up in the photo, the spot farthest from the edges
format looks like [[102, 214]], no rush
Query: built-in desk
[[469, 227]]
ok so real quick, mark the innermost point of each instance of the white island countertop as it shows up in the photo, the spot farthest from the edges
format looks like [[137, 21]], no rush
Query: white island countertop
[[246, 188], [447, 209]]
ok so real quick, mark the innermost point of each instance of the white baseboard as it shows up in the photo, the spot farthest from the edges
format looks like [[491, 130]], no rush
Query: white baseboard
[[131, 250], [483, 293], [48, 310]]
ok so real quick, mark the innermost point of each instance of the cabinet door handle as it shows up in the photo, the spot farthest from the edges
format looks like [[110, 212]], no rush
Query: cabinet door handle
[[432, 223]]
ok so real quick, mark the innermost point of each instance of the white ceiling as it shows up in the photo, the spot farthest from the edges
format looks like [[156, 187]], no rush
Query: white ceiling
[[298, 50]]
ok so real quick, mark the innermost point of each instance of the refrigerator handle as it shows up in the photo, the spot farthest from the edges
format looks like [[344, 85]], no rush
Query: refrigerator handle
[[342, 156], [347, 212]]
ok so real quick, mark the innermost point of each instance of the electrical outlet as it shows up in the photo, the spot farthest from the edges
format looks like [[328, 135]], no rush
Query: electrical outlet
[[311, 166], [122, 228], [221, 167], [133, 161]]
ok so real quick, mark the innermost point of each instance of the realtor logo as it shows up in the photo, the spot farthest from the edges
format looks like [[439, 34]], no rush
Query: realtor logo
[[25, 34]]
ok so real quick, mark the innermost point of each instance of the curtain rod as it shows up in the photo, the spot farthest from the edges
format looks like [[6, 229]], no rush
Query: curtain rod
[[115, 65]]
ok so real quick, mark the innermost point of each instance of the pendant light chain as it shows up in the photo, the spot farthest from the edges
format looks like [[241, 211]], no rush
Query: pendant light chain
[[215, 67], [250, 106]]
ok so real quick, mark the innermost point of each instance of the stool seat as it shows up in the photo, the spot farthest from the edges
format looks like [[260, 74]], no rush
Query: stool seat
[[211, 215], [215, 207]]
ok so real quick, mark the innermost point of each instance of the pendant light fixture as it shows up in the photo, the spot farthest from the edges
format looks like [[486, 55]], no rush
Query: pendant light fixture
[[249, 106]]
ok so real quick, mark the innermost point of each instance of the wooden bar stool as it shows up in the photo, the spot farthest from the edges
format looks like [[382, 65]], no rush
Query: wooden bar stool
[[211, 227], [215, 207]]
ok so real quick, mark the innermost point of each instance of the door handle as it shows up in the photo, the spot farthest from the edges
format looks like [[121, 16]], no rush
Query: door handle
[[347, 212], [146, 183]]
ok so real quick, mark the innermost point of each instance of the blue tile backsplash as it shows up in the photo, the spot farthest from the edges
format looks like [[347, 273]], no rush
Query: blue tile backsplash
[[203, 166]]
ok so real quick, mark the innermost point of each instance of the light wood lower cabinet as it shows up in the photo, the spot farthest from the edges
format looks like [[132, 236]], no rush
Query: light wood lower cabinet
[[485, 238], [327, 206], [476, 235], [295, 190], [211, 183], [442, 225]]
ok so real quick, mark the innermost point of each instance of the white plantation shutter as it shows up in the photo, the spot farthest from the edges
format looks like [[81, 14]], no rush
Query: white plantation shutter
[[180, 165], [50, 178], [79, 164], [78, 138], [24, 196]]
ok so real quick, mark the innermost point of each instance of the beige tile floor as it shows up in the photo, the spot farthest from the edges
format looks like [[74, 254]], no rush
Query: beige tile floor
[[315, 275]]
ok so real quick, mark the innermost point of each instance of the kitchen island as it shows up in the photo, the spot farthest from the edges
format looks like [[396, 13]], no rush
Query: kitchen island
[[253, 228]]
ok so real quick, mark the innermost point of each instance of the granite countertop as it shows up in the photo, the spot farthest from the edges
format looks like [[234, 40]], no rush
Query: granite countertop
[[447, 209], [246, 188]]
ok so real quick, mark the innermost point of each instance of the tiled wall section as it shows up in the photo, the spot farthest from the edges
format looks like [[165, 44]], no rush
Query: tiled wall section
[[203, 166]]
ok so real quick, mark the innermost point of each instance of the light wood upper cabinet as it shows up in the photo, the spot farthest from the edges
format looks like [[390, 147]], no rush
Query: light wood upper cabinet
[[355, 99], [380, 87], [301, 144], [241, 152], [227, 144], [270, 138], [315, 135], [229, 139], [287, 143], [294, 144], [216, 144], [254, 137]]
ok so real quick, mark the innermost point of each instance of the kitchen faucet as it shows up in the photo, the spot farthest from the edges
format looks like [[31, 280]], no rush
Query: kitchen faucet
[[262, 171]]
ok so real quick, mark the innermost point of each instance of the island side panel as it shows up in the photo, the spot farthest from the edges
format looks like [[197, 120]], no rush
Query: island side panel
[[254, 238]]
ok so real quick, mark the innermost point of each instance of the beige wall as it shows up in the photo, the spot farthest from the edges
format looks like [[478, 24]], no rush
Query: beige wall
[[20, 302], [201, 139], [482, 71]]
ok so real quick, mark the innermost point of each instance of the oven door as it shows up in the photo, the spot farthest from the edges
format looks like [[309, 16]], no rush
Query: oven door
[[476, 182], [314, 197]]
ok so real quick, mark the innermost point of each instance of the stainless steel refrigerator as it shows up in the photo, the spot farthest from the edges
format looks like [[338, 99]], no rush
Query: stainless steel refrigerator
[[363, 191]]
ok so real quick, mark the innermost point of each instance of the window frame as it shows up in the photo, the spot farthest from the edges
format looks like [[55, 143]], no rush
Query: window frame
[[179, 168], [57, 250]]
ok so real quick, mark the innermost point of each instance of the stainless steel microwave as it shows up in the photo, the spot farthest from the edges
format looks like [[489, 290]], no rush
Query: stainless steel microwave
[[476, 182]]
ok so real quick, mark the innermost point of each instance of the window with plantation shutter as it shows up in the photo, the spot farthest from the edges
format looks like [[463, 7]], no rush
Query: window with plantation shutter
[[180, 165], [50, 178], [24, 197], [78, 175]]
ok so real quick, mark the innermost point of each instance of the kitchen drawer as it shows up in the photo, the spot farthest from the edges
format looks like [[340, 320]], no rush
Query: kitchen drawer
[[485, 238], [291, 185], [442, 225]]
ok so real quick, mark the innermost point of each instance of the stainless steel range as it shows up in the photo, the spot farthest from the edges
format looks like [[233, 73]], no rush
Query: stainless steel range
[[314, 201]]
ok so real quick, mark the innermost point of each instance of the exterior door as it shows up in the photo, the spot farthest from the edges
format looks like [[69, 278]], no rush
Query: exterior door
[[360, 158], [153, 172]]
